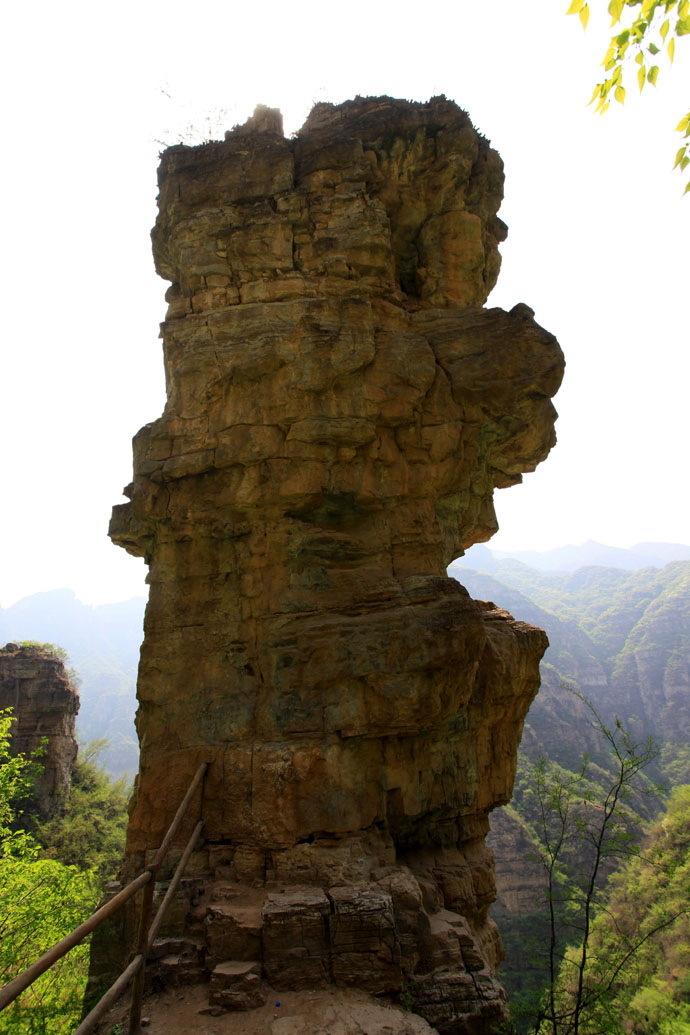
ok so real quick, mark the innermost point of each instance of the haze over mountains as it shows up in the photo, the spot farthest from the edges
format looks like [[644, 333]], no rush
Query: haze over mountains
[[570, 558], [103, 647]]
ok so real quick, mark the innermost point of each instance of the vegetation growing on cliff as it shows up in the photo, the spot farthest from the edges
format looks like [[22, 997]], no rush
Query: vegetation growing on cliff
[[583, 824], [635, 979], [90, 833], [652, 892], [50, 881]]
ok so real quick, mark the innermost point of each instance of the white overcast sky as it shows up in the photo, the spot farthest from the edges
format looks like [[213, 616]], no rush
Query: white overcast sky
[[598, 243]]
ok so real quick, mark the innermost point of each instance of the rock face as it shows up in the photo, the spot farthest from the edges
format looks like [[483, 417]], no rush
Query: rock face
[[340, 408], [34, 684]]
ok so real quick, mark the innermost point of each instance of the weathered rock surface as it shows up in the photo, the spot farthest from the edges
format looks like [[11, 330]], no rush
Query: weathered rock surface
[[340, 408], [34, 684], [520, 879]]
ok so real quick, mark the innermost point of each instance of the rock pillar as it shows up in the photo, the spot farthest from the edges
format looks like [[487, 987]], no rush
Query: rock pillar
[[36, 687], [340, 408]]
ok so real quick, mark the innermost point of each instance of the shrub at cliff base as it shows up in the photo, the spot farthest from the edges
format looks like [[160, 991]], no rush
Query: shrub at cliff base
[[43, 899]]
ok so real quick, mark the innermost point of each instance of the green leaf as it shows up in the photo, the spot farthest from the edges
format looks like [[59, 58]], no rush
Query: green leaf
[[671, 48], [679, 156], [639, 58], [653, 49], [619, 94], [584, 15], [641, 77], [684, 123], [653, 75], [623, 37], [687, 187], [663, 31], [683, 27], [685, 162]]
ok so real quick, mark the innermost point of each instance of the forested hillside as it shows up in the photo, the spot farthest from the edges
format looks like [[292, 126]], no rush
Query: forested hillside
[[622, 639], [650, 994]]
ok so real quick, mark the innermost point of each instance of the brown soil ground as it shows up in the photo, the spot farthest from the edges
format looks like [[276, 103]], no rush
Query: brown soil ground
[[185, 1011]]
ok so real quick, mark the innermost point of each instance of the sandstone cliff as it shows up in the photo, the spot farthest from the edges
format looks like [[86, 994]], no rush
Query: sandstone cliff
[[339, 409], [34, 684]]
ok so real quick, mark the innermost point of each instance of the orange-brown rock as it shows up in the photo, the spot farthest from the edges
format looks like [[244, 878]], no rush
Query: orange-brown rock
[[36, 687], [340, 408]]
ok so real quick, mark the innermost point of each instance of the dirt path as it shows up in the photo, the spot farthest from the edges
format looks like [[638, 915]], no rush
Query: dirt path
[[185, 1011]]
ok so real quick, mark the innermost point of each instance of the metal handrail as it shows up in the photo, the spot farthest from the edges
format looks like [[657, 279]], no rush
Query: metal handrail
[[147, 933], [136, 967]]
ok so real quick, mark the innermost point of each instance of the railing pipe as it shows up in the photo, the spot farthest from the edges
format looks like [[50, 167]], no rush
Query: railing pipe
[[110, 997], [136, 967], [172, 887], [147, 902], [14, 988], [151, 930], [179, 816]]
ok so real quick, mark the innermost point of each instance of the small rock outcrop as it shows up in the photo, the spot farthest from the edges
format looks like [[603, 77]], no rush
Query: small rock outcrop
[[35, 685], [340, 408]]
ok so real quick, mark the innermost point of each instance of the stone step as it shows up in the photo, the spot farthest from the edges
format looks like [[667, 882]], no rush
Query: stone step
[[175, 961], [236, 985], [232, 923]]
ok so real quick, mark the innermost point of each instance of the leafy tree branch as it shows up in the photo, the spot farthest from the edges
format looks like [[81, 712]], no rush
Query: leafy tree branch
[[645, 29], [583, 828]]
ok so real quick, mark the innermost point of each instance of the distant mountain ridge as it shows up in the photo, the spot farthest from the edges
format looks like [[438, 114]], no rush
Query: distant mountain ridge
[[621, 635], [570, 558]]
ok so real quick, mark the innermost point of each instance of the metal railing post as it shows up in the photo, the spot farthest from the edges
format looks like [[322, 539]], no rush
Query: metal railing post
[[142, 939], [136, 967], [147, 903]]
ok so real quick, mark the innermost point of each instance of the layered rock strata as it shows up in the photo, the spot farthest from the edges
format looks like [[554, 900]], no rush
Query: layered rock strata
[[340, 408], [36, 687]]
